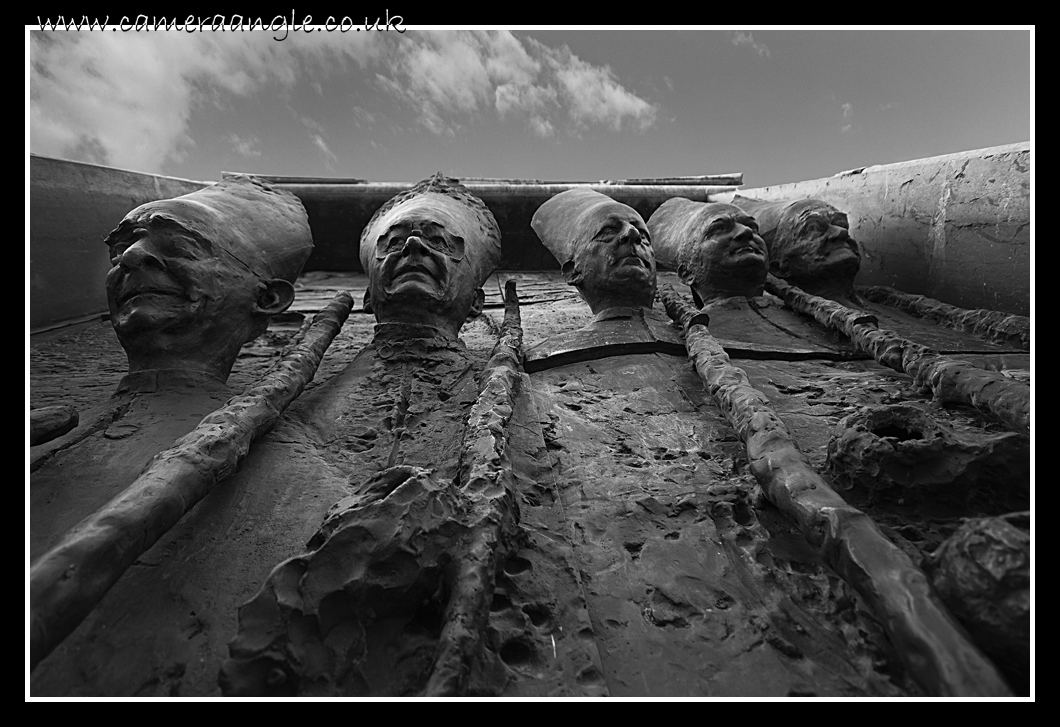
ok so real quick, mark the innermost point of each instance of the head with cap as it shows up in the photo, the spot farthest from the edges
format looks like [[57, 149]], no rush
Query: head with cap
[[603, 248], [715, 248], [809, 243], [427, 252], [197, 276]]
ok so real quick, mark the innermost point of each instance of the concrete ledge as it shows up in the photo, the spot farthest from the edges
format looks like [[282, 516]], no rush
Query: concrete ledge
[[954, 227]]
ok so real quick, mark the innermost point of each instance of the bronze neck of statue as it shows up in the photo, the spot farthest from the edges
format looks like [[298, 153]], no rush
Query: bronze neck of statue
[[401, 341], [146, 381]]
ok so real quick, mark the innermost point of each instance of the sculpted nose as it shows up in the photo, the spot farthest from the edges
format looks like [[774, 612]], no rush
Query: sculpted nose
[[629, 234], [413, 244], [140, 255], [743, 233]]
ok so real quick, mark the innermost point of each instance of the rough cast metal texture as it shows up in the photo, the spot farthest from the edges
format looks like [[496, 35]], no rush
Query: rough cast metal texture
[[544, 590], [927, 639], [69, 580], [409, 546], [688, 590], [982, 572], [947, 378], [901, 451], [539, 622], [692, 587]]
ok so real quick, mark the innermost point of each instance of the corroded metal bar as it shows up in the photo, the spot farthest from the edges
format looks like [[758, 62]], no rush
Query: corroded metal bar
[[991, 325], [69, 580], [931, 645], [485, 472], [948, 379]]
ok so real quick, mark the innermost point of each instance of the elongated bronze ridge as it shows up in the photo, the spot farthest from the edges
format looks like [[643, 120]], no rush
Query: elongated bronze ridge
[[945, 377], [929, 642], [990, 325], [69, 580], [486, 475]]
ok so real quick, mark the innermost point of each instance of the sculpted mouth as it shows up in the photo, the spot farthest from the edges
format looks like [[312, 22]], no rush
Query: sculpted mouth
[[138, 292], [841, 245], [746, 249], [633, 260], [414, 269]]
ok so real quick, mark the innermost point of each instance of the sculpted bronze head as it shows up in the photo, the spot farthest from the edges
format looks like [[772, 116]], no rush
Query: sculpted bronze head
[[427, 253], [809, 243], [603, 248], [714, 247], [197, 276]]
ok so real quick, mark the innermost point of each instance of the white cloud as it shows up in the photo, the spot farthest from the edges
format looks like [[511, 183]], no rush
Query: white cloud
[[848, 110], [593, 94], [329, 156], [450, 76], [127, 97], [247, 147], [740, 38], [847, 129], [442, 72], [541, 127]]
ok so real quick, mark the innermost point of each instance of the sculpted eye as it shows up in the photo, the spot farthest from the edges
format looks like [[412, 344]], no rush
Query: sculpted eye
[[718, 227]]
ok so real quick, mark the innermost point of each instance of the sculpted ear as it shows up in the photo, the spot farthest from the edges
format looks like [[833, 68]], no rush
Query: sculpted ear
[[477, 304], [366, 304], [571, 274], [274, 297]]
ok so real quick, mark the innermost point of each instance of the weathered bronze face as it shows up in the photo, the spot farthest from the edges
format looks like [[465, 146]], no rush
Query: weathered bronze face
[[194, 278], [715, 248], [427, 255], [615, 261], [813, 248], [168, 279], [418, 262], [728, 259], [603, 246]]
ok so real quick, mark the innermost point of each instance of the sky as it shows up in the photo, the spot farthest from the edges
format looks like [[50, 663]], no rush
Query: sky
[[777, 104]]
